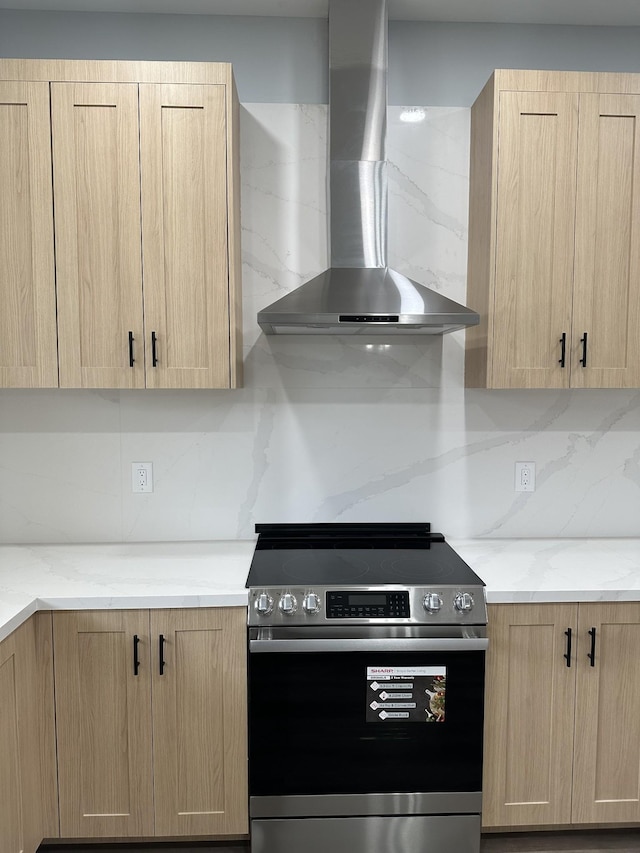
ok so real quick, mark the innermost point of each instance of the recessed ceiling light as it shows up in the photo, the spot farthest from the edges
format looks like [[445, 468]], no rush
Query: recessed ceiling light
[[413, 115]]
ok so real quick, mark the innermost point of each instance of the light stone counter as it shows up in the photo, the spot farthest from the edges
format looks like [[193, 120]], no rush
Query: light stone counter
[[120, 576], [539, 570], [213, 574]]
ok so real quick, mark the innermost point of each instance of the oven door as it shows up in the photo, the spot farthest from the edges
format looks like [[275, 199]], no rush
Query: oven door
[[373, 721]]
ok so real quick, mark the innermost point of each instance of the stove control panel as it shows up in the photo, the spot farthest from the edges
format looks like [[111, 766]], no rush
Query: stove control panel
[[352, 604], [321, 605]]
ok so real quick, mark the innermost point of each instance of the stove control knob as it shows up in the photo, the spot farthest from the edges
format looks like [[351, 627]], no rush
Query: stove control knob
[[432, 602], [463, 602], [263, 604], [288, 604], [311, 603]]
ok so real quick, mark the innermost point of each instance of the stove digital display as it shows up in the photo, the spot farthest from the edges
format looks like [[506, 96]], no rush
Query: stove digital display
[[356, 600], [368, 605]]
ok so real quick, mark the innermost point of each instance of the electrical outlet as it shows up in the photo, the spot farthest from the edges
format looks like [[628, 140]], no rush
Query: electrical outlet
[[142, 476], [525, 477]]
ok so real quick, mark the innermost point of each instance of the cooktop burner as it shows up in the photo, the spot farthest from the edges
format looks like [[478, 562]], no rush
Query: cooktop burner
[[306, 567], [437, 568]]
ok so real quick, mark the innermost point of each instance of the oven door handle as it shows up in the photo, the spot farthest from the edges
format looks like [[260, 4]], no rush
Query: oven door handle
[[394, 644]]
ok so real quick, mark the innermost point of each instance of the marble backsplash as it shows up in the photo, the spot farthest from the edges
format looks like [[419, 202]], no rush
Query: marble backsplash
[[327, 428]]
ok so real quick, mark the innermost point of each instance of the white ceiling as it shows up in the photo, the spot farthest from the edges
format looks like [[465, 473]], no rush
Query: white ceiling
[[587, 12]]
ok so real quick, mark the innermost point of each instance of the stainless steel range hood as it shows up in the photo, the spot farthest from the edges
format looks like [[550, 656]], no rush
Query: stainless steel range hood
[[359, 294]]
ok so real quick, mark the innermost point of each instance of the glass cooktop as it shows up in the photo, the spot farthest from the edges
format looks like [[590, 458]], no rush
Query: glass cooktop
[[355, 555]]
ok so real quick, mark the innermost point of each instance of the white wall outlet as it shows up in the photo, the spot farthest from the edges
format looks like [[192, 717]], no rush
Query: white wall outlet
[[142, 476], [525, 477]]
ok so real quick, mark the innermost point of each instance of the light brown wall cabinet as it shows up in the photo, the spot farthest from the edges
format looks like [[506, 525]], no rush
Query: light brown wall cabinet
[[21, 820], [554, 231], [562, 743], [146, 280], [28, 356], [151, 722]]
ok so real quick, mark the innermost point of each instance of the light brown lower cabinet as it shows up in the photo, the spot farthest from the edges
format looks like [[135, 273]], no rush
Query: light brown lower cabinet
[[20, 803], [562, 716], [151, 722]]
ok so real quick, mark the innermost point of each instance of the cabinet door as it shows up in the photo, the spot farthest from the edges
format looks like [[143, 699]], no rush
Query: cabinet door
[[184, 235], [20, 812], [537, 144], [97, 224], [47, 734], [528, 716], [103, 714], [606, 782], [607, 254], [199, 722], [28, 347]]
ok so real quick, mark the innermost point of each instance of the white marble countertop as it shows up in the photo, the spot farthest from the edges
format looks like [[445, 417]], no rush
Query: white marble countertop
[[213, 574], [547, 570], [120, 576]]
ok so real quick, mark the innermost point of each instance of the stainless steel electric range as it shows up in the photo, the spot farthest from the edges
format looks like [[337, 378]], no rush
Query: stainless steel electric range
[[366, 691]]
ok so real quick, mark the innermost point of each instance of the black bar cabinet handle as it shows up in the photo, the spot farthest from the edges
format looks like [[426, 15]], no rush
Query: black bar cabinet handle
[[563, 349], [154, 349], [567, 655], [592, 653], [583, 341], [161, 642], [131, 358], [136, 660]]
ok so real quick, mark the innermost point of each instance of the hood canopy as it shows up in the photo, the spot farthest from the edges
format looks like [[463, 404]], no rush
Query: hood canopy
[[359, 294], [332, 303]]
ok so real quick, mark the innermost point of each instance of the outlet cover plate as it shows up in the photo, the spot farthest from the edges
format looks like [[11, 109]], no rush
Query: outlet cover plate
[[142, 477], [525, 477]]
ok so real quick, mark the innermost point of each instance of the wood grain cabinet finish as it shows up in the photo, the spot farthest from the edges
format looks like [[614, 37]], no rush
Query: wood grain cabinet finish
[[199, 722], [145, 169], [96, 180], [562, 743], [21, 827], [151, 722], [606, 777], [28, 355], [529, 714], [554, 231], [184, 235], [103, 719]]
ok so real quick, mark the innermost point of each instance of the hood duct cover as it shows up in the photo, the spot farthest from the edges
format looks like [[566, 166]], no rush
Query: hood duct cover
[[359, 294]]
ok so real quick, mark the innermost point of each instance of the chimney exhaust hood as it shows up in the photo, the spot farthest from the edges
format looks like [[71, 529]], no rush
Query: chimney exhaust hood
[[359, 294]]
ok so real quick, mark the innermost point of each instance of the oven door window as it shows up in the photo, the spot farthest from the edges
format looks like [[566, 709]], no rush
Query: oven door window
[[313, 731]]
